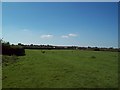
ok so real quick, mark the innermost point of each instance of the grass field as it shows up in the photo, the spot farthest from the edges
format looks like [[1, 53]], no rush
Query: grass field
[[62, 69]]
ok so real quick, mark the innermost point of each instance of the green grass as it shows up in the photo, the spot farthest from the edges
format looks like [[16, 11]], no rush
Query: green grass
[[63, 69]]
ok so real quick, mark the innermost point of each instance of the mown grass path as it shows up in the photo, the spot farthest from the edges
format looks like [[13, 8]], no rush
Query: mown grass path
[[63, 69]]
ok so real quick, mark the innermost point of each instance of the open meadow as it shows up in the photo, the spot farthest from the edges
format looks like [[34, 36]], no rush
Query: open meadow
[[62, 69]]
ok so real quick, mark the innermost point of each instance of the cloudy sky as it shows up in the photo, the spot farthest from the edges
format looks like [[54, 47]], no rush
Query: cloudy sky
[[65, 23]]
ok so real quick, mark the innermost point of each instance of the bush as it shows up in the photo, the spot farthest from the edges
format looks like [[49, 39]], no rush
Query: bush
[[93, 57], [13, 50], [43, 51], [96, 49], [17, 50], [8, 49]]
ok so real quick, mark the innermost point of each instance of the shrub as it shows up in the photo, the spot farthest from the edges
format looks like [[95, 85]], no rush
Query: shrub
[[93, 57], [43, 51], [17, 50], [96, 49], [8, 49], [13, 50]]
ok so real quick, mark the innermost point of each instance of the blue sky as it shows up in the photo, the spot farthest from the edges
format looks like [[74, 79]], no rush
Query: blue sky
[[67, 23]]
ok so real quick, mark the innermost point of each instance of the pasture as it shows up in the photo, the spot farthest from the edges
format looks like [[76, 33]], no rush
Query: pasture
[[62, 69]]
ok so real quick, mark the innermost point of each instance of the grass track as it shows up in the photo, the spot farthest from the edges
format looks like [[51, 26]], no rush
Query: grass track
[[63, 69]]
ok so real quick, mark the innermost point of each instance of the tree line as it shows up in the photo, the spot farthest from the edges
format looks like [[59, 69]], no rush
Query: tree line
[[19, 50], [49, 47]]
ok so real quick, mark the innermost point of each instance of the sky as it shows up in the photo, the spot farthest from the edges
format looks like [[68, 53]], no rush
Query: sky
[[60, 0], [61, 23]]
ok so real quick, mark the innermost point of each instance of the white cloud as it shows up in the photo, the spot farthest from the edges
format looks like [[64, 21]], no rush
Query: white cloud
[[64, 36], [69, 35], [46, 36], [72, 35], [25, 30]]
